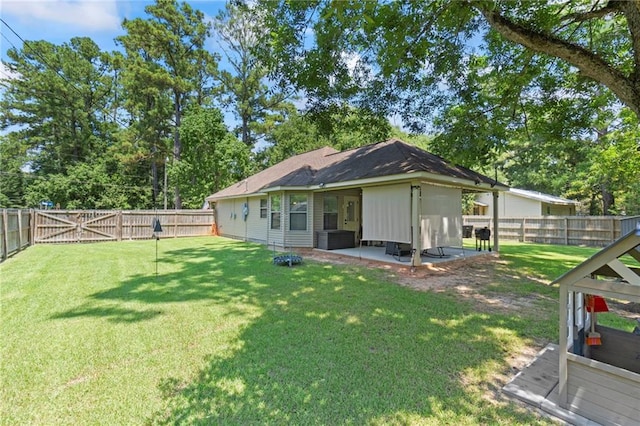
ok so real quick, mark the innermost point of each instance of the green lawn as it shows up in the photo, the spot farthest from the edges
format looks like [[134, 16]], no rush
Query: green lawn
[[90, 335]]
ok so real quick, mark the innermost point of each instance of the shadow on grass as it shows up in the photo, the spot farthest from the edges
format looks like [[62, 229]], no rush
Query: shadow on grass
[[331, 345], [358, 353], [209, 272], [112, 313]]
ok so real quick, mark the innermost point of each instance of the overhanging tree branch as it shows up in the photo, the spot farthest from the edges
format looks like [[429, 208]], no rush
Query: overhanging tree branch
[[631, 10], [627, 88], [613, 6]]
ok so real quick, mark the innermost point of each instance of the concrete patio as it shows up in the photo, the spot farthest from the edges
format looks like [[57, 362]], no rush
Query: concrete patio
[[432, 259]]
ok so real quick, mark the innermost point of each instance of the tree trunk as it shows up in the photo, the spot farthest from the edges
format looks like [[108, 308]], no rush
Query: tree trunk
[[608, 200], [177, 148], [246, 136], [594, 205], [154, 175]]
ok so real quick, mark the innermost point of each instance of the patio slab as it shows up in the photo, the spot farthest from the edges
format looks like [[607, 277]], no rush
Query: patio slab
[[377, 254]]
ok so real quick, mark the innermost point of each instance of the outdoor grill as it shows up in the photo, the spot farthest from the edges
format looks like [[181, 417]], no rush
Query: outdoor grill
[[483, 238]]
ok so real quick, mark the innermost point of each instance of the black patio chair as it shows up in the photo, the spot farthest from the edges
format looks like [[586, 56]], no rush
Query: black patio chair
[[397, 250]]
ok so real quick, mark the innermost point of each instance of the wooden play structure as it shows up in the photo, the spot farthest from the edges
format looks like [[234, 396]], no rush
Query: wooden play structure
[[599, 367]]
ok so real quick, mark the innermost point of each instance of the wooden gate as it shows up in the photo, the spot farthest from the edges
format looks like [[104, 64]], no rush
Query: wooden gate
[[76, 226], [67, 226]]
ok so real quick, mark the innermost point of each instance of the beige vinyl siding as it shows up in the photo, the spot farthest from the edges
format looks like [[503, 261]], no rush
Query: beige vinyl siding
[[257, 227], [298, 238], [276, 236], [224, 217], [512, 205], [230, 220], [318, 206]]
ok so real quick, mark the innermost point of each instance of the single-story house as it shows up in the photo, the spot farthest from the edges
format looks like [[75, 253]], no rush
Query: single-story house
[[522, 203], [599, 366], [385, 192]]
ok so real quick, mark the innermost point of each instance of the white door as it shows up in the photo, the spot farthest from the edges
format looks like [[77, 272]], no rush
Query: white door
[[351, 215]]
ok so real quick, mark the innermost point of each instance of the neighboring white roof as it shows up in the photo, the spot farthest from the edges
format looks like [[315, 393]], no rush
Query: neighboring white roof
[[545, 198]]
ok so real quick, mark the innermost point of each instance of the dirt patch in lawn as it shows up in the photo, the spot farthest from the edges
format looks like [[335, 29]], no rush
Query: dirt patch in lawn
[[469, 279]]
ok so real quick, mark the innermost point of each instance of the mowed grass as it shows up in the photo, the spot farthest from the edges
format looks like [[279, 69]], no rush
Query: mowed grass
[[90, 335]]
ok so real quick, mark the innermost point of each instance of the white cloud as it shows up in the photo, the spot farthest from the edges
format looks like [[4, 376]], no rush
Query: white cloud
[[93, 15]]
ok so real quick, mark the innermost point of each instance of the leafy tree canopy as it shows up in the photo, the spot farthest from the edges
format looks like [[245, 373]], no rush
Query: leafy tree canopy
[[212, 157], [461, 68]]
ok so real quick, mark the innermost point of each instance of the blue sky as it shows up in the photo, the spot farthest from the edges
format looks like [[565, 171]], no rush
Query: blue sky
[[57, 21]]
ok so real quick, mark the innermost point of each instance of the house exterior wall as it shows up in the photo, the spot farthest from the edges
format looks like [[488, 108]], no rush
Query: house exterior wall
[[298, 238], [318, 209], [257, 227], [276, 236], [229, 218], [511, 206], [441, 217], [232, 223]]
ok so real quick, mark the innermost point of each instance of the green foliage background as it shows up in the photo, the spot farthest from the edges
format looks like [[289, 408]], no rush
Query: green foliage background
[[148, 126]]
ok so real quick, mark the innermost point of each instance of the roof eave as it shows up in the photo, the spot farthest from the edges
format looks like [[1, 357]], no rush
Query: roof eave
[[289, 188], [423, 176], [231, 197]]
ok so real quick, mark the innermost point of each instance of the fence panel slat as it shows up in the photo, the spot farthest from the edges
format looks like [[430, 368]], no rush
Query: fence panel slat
[[67, 226], [3, 240], [15, 233], [595, 231], [21, 228]]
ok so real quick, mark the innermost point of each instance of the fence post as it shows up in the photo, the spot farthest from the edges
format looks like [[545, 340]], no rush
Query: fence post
[[175, 223], [566, 231], [32, 226], [119, 225], [19, 230], [524, 228], [5, 233], [129, 224]]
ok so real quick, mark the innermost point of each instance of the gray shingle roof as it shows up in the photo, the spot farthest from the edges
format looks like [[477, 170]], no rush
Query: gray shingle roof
[[326, 165]]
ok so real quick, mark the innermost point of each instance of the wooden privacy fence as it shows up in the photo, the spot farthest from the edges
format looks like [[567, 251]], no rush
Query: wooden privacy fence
[[74, 226], [595, 231], [15, 231]]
